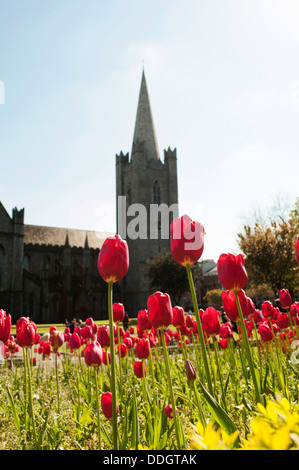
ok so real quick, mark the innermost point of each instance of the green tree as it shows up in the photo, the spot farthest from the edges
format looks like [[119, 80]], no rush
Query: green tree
[[166, 275], [269, 252], [213, 298]]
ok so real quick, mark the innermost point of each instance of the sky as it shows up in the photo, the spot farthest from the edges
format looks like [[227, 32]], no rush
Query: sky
[[223, 82]]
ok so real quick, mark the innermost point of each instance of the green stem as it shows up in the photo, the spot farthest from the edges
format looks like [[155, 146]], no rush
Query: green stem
[[172, 397], [119, 359], [151, 364], [219, 370], [113, 376], [57, 383], [198, 402], [30, 392], [246, 344], [98, 407], [25, 385], [200, 330]]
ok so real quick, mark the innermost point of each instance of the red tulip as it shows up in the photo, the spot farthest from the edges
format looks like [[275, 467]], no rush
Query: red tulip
[[186, 240], [142, 348], [123, 350], [178, 316], [118, 312], [152, 339], [250, 309], [211, 321], [26, 332], [230, 305], [5, 326], [184, 330], [74, 341], [223, 343], [140, 333], [106, 403], [37, 339], [90, 321], [56, 339], [106, 357], [231, 271], [189, 321], [143, 320], [249, 327], [159, 310], [46, 349], [285, 298], [93, 354], [139, 369], [257, 316], [226, 331], [283, 320], [86, 332], [128, 341], [267, 309], [294, 309], [167, 338], [103, 336], [113, 261], [265, 331]]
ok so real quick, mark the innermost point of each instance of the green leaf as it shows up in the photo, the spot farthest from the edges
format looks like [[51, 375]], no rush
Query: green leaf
[[218, 413], [14, 411], [135, 423]]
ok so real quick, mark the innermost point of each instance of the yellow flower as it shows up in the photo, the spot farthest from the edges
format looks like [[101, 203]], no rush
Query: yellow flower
[[210, 438], [275, 428]]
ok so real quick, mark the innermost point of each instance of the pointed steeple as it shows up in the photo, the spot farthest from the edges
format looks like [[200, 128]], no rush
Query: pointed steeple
[[144, 139]]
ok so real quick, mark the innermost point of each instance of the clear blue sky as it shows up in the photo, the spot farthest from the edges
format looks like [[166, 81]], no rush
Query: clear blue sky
[[223, 80]]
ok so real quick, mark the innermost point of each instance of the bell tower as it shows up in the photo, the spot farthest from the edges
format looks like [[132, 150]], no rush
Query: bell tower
[[146, 202]]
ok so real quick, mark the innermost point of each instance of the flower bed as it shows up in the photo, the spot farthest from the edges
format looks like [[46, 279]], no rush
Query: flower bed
[[177, 382]]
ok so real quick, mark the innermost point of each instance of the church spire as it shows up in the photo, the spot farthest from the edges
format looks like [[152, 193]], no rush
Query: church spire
[[144, 139]]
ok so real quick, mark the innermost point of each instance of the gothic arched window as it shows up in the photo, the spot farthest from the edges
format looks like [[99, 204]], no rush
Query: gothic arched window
[[156, 193]]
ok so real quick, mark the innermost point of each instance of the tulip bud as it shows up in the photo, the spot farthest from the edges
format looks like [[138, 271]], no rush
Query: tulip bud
[[190, 371]]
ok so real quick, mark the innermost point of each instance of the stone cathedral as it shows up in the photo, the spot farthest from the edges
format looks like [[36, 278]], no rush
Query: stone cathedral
[[143, 178], [50, 274]]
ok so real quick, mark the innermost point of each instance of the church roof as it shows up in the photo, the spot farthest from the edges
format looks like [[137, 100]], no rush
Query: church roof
[[144, 134], [55, 236]]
